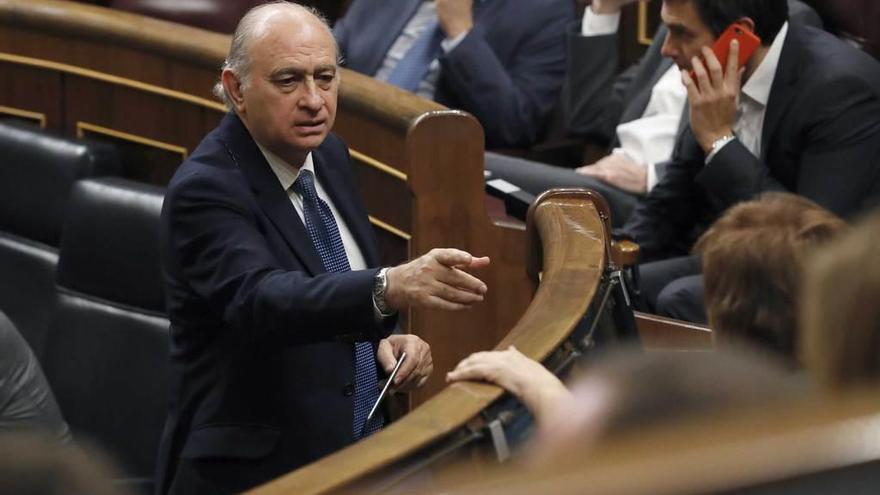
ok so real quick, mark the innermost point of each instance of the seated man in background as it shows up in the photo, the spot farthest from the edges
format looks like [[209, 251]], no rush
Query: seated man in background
[[280, 317], [639, 114], [840, 314], [754, 258], [802, 116], [26, 400], [501, 60]]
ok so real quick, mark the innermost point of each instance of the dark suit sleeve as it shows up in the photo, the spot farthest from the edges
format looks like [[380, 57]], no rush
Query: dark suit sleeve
[[593, 99], [222, 256], [839, 150], [511, 100], [662, 221]]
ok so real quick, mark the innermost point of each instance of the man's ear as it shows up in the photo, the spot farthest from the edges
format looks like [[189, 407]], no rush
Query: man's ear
[[747, 23], [232, 85]]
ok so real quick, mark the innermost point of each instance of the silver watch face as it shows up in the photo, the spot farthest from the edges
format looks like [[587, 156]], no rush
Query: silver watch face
[[379, 287]]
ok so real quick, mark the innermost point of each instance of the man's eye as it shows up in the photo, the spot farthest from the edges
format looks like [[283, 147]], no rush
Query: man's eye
[[286, 81]]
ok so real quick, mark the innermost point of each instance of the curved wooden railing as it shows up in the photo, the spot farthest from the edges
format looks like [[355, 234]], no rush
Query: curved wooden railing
[[572, 239]]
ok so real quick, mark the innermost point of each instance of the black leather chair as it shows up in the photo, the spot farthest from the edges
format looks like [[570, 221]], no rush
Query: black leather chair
[[37, 171], [107, 346], [854, 20]]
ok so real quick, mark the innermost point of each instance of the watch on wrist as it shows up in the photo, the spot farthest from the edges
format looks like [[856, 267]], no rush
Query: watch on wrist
[[380, 287], [718, 143]]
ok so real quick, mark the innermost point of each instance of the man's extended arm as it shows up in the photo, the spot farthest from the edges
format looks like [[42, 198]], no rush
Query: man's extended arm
[[221, 255]]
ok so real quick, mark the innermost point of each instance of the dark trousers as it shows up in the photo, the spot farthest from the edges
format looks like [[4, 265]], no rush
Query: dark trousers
[[673, 288], [536, 177]]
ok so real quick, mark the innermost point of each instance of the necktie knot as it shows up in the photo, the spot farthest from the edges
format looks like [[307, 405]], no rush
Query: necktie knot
[[304, 185]]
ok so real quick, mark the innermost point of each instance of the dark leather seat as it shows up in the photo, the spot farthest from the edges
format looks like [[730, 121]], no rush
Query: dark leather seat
[[37, 172], [107, 346], [856, 20]]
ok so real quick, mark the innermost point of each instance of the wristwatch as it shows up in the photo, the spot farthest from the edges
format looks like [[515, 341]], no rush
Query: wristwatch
[[380, 286]]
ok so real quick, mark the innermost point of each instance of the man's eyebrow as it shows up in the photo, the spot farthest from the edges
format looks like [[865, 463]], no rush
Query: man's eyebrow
[[284, 71], [678, 28]]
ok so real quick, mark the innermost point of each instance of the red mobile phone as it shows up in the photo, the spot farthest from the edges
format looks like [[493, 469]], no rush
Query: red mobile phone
[[748, 43]]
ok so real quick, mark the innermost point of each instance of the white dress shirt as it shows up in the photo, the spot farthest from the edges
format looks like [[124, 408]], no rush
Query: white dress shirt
[[287, 174], [752, 106], [650, 139]]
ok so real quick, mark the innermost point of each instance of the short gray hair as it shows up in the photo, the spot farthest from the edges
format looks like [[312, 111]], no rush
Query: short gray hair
[[251, 27]]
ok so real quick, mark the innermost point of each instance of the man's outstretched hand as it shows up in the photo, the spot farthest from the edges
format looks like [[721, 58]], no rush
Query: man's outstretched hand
[[436, 280]]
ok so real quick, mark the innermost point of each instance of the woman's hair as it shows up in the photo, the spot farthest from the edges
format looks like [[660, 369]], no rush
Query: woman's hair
[[753, 263], [840, 315]]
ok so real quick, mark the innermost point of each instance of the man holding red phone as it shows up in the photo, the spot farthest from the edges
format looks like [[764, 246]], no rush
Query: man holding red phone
[[802, 115]]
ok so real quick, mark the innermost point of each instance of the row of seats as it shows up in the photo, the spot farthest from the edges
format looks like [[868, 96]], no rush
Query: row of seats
[[82, 282]]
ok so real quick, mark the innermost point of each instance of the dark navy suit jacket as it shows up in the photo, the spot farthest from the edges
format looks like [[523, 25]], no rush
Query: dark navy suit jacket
[[507, 71], [821, 139], [261, 337]]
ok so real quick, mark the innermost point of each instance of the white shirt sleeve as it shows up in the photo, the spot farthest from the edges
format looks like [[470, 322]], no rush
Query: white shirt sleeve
[[652, 176], [449, 44], [599, 24]]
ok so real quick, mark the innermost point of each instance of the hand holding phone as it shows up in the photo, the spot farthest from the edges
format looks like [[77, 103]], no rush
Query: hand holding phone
[[748, 43]]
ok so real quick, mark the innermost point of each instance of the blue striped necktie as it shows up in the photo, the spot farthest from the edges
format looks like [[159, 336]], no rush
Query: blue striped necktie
[[413, 67], [325, 236]]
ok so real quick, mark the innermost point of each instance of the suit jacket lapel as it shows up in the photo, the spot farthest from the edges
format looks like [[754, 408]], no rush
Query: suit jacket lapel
[[782, 94], [403, 11], [273, 200], [348, 207]]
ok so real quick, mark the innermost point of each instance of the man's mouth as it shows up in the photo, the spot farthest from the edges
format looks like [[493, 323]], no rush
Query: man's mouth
[[311, 125]]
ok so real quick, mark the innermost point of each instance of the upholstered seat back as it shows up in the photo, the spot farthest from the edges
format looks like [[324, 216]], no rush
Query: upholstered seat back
[[37, 171], [107, 346], [856, 20]]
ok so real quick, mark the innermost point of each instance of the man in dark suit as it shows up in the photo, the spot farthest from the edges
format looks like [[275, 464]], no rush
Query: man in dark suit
[[802, 116], [638, 114], [501, 60], [278, 325]]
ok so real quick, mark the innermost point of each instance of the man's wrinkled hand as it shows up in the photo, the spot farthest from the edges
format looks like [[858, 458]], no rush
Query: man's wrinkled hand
[[714, 96], [436, 280], [415, 370], [619, 171], [455, 16]]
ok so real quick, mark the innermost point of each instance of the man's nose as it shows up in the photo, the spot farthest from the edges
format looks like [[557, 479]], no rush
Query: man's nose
[[311, 97], [667, 50]]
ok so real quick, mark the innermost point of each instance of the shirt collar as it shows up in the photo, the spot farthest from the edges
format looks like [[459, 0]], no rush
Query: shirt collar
[[285, 172], [758, 86]]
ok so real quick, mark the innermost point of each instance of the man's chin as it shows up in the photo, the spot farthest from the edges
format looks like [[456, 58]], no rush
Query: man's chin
[[308, 141]]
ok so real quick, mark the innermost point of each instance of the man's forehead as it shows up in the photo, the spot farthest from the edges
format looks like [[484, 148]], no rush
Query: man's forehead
[[288, 35]]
